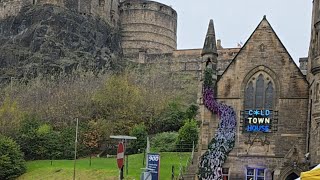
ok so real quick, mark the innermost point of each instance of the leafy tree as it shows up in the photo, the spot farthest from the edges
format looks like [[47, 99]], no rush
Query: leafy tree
[[119, 101], [92, 137], [188, 134], [12, 163], [191, 112], [10, 116], [28, 138], [170, 120], [164, 142], [140, 132]]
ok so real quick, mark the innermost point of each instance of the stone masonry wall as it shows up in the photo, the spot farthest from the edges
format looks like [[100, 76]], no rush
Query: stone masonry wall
[[108, 10], [264, 54], [313, 76], [148, 25]]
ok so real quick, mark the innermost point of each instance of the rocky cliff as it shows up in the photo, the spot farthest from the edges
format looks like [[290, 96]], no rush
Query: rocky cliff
[[49, 40]]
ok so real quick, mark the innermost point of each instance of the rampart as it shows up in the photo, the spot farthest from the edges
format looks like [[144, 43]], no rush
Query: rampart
[[108, 10], [149, 26]]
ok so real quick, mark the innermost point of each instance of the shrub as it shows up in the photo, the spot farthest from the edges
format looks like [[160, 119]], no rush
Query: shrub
[[140, 132], [188, 134], [170, 120], [164, 142], [12, 163]]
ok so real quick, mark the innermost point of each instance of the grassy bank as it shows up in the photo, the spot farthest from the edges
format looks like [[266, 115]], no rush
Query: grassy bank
[[100, 169]]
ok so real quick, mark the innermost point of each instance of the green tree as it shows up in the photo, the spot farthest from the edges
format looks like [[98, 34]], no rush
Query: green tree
[[10, 116], [140, 132], [170, 120], [119, 101], [12, 163], [188, 134]]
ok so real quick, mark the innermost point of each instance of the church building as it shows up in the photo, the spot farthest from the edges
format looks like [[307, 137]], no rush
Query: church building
[[275, 105]]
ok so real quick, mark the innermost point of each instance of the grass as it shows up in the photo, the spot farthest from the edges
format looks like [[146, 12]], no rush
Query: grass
[[101, 168]]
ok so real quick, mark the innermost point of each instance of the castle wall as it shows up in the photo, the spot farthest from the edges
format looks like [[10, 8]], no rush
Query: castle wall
[[11, 7], [313, 77], [107, 10], [148, 25]]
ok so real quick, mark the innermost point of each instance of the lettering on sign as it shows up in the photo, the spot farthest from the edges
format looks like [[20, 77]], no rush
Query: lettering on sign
[[256, 120]]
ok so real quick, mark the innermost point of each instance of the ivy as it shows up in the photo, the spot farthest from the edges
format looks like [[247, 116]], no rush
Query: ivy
[[210, 166]]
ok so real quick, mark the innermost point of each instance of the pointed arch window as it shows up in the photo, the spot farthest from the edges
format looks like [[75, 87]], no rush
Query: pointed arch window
[[259, 92]]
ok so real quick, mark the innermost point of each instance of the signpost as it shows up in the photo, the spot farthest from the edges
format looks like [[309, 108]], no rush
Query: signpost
[[120, 155], [154, 165], [121, 152]]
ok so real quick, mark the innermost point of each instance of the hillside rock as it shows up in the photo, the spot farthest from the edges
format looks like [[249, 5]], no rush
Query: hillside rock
[[50, 40]]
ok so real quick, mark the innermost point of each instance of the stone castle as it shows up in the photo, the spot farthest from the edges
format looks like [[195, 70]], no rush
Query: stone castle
[[146, 25], [261, 75]]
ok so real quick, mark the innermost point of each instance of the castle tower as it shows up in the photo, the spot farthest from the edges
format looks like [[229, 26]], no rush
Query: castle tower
[[313, 77], [209, 60], [148, 25]]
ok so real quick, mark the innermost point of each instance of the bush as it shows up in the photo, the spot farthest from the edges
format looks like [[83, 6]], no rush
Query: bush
[[39, 141], [164, 142], [188, 134], [12, 163], [170, 120], [140, 132]]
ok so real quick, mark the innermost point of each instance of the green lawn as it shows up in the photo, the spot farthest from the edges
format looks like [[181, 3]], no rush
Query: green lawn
[[101, 168]]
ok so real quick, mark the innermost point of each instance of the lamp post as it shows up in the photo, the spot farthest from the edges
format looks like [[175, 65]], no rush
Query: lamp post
[[75, 151]]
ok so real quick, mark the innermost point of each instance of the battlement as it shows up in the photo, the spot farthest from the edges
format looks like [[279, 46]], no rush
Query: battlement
[[148, 5]]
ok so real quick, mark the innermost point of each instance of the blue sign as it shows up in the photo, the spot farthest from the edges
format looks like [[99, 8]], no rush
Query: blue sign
[[154, 164], [258, 120]]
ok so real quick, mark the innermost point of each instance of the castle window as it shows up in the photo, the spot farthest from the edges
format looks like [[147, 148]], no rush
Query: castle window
[[144, 5], [161, 8], [259, 92]]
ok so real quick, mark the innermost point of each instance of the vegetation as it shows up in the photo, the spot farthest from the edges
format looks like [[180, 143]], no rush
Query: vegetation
[[164, 142], [12, 163], [188, 135], [139, 101], [101, 168], [140, 144]]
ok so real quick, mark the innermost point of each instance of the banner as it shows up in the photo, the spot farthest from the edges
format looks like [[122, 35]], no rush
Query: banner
[[154, 165]]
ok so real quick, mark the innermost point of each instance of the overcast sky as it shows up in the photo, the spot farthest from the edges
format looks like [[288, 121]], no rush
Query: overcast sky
[[235, 20]]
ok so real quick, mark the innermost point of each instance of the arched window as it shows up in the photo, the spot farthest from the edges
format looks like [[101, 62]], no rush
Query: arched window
[[259, 92]]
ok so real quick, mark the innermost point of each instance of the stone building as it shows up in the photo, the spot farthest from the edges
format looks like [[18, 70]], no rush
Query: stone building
[[313, 76], [283, 138], [263, 77]]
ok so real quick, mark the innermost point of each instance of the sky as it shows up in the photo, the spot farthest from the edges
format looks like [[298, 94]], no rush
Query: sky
[[235, 20]]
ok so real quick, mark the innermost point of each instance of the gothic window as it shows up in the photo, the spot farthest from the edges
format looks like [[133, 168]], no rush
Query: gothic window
[[259, 92], [249, 96], [269, 96]]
